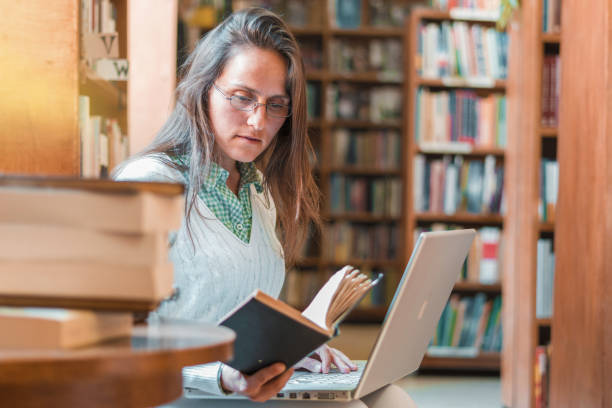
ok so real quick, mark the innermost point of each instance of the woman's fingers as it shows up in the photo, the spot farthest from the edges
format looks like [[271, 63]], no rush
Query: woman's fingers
[[310, 364], [270, 388], [340, 359], [257, 380]]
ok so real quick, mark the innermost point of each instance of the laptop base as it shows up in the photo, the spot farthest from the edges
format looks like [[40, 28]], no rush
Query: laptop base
[[388, 396]]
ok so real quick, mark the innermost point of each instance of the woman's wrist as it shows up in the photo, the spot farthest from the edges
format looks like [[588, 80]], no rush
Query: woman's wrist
[[220, 381]]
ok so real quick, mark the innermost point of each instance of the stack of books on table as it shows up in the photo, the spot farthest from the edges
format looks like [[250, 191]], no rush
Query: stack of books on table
[[78, 257]]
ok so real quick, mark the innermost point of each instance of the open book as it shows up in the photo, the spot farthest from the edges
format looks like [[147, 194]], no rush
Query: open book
[[268, 330]]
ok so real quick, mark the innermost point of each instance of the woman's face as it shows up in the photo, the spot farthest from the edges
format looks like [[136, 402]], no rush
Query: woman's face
[[253, 73]]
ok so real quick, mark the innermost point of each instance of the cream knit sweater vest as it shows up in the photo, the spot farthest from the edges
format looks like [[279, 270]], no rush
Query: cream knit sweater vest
[[218, 270]]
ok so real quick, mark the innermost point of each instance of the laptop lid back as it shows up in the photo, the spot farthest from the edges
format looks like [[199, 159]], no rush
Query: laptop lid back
[[416, 307]]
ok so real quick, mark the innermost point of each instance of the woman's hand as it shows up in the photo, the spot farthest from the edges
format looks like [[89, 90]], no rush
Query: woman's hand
[[260, 386], [320, 361]]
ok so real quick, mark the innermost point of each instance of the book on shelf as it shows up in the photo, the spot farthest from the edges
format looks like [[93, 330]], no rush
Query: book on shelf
[[549, 188], [48, 328], [468, 5], [380, 56], [376, 149], [545, 278], [268, 330], [459, 120], [468, 324], [388, 13], [354, 194], [378, 104], [551, 16], [112, 69], [361, 241], [345, 13], [541, 378], [454, 184], [103, 144], [551, 88], [460, 50], [98, 16]]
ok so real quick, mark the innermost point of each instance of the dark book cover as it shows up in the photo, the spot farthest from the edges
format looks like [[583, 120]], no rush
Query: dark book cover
[[265, 335]]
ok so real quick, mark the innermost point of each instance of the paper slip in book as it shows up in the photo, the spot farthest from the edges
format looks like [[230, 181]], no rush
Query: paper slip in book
[[43, 328], [132, 207], [268, 330]]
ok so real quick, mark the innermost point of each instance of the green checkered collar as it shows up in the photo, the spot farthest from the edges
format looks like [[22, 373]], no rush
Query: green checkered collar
[[217, 175]]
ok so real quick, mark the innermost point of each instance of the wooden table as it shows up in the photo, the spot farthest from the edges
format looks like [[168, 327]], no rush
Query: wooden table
[[141, 371]]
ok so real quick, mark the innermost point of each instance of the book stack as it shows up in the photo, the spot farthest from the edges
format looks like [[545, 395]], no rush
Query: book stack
[[82, 244]]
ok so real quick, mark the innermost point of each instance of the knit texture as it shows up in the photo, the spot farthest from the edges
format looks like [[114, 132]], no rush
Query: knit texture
[[217, 271]]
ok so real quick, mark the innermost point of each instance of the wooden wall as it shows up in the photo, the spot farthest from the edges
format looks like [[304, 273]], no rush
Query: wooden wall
[[152, 55], [582, 320], [39, 87]]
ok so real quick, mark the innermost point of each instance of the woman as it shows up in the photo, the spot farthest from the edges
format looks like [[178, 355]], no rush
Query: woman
[[241, 102]]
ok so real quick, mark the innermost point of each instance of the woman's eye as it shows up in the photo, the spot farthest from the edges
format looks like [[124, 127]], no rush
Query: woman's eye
[[243, 99]]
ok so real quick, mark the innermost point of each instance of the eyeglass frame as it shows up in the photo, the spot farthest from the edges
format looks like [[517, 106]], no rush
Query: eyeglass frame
[[255, 104]]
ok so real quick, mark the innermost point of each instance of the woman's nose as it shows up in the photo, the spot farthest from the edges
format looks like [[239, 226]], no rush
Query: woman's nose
[[257, 117]]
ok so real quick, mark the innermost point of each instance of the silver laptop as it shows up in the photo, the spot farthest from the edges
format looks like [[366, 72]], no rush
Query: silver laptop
[[407, 329]]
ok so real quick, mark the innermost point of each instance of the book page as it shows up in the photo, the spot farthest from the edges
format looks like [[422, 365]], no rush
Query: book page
[[317, 309]]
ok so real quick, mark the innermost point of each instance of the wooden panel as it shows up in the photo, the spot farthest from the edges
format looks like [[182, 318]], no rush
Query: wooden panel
[[152, 55], [581, 369], [521, 195], [39, 87]]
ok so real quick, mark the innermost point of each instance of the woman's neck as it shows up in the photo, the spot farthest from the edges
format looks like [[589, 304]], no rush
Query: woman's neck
[[233, 180]]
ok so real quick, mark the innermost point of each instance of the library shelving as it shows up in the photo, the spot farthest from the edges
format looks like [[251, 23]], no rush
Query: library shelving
[[441, 162], [45, 77], [533, 183], [353, 57]]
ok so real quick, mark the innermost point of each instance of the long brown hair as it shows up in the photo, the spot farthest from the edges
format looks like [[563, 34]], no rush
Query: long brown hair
[[287, 173]]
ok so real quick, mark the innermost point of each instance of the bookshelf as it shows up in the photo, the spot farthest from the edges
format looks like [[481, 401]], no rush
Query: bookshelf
[[442, 82], [357, 151], [532, 151], [46, 75]]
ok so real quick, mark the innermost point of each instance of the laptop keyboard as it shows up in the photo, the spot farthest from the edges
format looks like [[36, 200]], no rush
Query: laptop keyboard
[[333, 377]]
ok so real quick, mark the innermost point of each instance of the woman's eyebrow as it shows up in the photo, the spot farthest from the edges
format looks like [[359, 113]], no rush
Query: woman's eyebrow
[[255, 91]]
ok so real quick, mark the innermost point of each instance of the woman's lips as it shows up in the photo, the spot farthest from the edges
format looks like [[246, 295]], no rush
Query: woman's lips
[[250, 138]]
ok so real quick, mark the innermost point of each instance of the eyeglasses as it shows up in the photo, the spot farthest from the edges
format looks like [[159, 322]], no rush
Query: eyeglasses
[[246, 104]]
